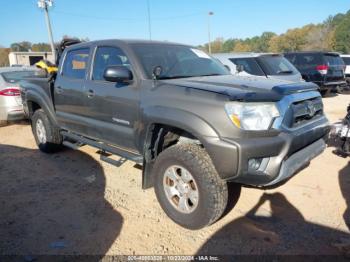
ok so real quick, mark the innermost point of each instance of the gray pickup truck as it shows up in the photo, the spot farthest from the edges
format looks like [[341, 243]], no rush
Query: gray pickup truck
[[179, 113]]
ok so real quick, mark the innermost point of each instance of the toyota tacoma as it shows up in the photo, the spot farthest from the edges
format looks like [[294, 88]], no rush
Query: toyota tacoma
[[179, 113]]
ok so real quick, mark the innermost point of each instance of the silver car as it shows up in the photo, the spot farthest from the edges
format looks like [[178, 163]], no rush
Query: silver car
[[265, 65], [11, 107]]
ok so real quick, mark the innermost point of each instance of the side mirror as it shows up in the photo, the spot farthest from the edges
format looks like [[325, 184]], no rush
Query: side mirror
[[117, 74], [239, 68]]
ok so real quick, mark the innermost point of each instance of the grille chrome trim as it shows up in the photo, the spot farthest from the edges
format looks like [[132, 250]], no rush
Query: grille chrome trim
[[297, 101]]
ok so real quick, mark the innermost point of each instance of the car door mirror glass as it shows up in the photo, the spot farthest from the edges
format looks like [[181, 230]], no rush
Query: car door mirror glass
[[118, 74]]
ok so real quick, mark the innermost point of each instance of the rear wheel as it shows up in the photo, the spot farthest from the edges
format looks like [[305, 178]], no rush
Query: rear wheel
[[188, 187], [46, 135]]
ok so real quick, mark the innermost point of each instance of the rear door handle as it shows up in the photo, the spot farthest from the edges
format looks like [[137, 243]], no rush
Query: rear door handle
[[90, 93]]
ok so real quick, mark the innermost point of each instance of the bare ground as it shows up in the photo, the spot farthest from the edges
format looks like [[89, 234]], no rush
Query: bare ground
[[72, 203]]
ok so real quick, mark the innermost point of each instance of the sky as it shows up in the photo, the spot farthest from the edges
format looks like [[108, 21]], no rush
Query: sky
[[183, 21]]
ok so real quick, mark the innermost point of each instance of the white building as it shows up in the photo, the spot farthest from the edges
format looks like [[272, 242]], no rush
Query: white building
[[29, 58]]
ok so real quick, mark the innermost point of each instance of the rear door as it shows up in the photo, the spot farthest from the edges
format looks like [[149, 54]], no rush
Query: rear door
[[113, 108], [336, 67], [69, 93]]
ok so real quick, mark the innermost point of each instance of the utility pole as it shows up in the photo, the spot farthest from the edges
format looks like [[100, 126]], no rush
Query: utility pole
[[149, 20], [209, 40], [45, 4]]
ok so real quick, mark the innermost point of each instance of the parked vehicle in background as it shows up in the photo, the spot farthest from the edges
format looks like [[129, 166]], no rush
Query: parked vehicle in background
[[340, 135], [11, 107], [260, 64], [179, 113], [346, 59], [326, 69]]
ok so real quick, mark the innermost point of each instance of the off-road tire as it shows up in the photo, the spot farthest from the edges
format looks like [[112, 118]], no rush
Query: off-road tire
[[53, 138], [213, 193]]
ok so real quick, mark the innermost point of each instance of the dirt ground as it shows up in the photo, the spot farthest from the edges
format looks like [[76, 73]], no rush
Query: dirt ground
[[72, 203]]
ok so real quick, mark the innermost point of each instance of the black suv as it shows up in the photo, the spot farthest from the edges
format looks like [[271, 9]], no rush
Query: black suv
[[326, 69]]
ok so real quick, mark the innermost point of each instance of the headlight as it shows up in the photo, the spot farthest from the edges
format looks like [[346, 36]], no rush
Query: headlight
[[252, 116]]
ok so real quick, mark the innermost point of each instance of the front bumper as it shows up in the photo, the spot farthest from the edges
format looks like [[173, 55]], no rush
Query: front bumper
[[281, 155]]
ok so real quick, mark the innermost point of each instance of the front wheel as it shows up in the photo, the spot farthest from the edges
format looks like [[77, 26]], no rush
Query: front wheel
[[46, 135], [188, 187]]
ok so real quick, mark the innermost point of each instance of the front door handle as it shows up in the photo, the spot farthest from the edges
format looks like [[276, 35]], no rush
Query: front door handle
[[90, 93], [59, 90]]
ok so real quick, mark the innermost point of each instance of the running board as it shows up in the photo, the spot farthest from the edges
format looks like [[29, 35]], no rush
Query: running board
[[112, 161], [71, 145], [124, 154]]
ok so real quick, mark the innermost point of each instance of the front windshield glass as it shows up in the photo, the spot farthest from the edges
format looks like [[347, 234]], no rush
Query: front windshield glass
[[277, 65], [176, 61]]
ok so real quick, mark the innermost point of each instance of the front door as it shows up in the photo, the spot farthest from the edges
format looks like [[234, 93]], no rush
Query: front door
[[112, 107]]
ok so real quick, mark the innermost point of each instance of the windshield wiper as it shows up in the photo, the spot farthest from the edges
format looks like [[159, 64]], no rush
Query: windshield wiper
[[210, 75], [172, 77], [284, 72], [185, 76]]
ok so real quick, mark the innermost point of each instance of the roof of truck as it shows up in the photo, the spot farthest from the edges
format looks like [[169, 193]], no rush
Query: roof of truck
[[124, 41]]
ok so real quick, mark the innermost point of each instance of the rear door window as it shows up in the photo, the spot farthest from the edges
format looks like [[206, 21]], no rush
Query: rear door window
[[250, 65], [76, 63], [276, 65]]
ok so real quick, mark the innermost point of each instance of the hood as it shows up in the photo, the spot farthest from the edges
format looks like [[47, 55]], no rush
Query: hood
[[241, 88]]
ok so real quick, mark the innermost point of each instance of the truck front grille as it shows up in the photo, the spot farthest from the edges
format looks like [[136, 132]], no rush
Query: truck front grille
[[305, 111]]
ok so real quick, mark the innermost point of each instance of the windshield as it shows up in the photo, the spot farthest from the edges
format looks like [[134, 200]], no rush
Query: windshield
[[276, 65], [176, 61], [16, 76]]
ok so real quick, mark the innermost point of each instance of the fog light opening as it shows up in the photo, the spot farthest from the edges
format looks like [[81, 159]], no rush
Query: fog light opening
[[254, 163]]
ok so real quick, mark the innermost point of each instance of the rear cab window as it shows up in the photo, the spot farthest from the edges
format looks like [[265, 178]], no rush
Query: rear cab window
[[250, 65], [276, 65], [76, 63]]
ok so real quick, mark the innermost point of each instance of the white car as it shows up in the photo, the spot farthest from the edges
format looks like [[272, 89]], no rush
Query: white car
[[11, 107], [346, 59], [266, 65]]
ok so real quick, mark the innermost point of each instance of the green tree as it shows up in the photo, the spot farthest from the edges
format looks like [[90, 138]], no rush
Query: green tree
[[41, 47], [342, 36], [23, 46], [229, 45]]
